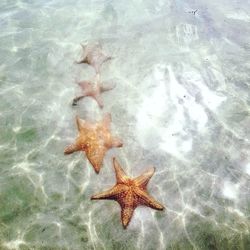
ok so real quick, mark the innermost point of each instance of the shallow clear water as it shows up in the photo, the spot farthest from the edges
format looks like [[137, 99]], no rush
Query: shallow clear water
[[181, 103]]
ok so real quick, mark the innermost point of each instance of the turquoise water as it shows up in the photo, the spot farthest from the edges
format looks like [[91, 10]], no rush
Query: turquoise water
[[181, 103]]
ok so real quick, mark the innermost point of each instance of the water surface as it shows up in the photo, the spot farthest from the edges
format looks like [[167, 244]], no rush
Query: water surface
[[181, 103]]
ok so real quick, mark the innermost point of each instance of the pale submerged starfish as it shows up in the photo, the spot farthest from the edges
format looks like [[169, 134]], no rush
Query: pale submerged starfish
[[93, 89], [94, 56]]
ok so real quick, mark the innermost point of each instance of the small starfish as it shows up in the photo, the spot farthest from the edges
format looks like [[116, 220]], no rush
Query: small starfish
[[94, 56], [129, 193], [92, 89], [95, 140]]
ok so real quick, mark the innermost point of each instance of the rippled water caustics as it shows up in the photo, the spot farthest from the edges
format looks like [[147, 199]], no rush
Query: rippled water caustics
[[181, 104]]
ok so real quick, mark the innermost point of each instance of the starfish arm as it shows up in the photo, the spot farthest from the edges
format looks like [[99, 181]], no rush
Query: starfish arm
[[106, 121], [96, 65], [84, 47], [121, 176], [97, 78], [110, 194], [71, 148], [126, 215], [99, 100], [146, 200], [86, 88], [78, 123], [95, 156], [82, 124], [98, 60], [116, 142], [143, 179], [84, 60], [107, 87]]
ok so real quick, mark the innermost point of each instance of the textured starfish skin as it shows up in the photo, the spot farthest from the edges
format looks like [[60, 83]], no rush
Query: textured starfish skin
[[92, 89], [94, 56], [129, 193], [95, 140]]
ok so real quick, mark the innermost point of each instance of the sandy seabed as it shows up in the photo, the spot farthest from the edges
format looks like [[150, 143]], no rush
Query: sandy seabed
[[181, 104]]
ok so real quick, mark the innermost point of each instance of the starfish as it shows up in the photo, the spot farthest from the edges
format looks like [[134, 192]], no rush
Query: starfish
[[92, 89], [129, 193], [95, 140], [94, 56]]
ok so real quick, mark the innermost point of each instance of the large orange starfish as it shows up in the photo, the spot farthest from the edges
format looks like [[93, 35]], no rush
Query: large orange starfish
[[129, 193], [94, 56], [92, 89], [94, 139]]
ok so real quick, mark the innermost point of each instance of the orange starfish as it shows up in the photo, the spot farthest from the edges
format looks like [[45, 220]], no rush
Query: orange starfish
[[129, 193], [94, 56], [95, 140], [92, 89]]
